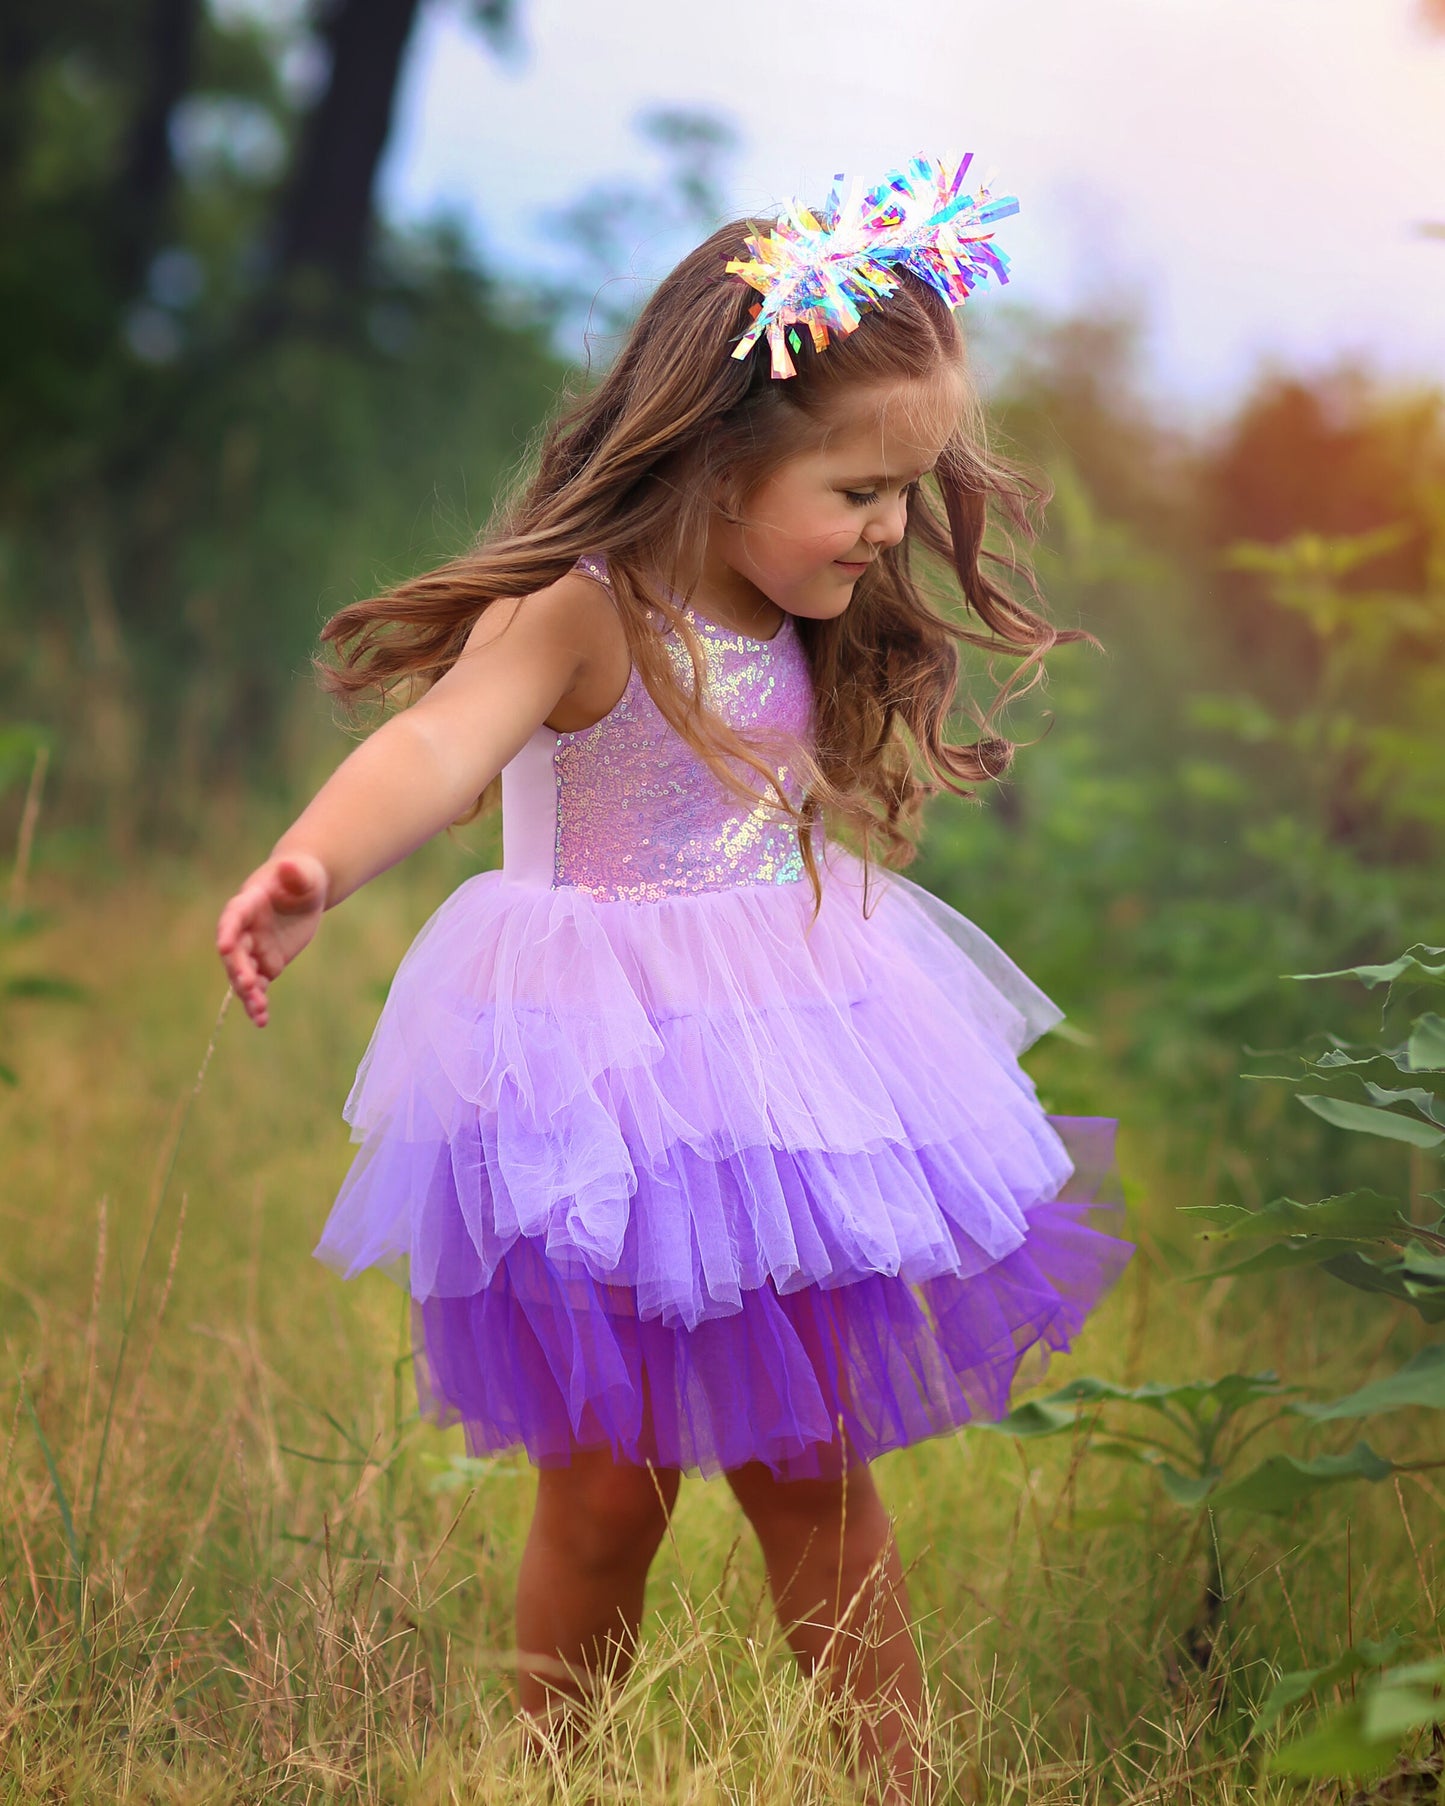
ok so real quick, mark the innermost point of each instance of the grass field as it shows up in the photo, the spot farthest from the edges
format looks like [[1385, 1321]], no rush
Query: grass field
[[234, 1567]]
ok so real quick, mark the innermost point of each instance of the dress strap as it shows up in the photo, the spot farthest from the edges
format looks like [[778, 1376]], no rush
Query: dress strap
[[594, 565]]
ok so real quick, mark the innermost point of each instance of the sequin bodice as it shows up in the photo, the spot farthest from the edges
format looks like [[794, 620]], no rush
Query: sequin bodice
[[627, 811]]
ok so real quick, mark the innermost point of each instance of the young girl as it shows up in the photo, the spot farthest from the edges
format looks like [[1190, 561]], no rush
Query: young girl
[[702, 1140]]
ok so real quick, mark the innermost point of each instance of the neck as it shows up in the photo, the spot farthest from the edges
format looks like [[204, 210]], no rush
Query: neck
[[729, 598]]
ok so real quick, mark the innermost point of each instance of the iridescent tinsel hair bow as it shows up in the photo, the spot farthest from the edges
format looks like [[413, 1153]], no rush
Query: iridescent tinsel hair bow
[[819, 271]]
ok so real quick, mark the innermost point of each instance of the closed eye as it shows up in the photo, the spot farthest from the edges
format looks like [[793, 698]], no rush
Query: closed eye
[[860, 498]]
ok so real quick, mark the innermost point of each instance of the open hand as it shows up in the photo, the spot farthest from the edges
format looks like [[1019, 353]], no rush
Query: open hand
[[267, 923]]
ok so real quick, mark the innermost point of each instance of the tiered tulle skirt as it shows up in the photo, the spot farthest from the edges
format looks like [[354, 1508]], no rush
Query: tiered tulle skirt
[[706, 1181]]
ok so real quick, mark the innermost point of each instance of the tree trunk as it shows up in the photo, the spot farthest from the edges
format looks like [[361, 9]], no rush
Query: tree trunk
[[148, 170], [326, 215], [21, 41]]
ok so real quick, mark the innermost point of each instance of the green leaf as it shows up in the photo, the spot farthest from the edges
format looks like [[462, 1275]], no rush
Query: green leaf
[[1392, 1711], [1337, 1748], [1282, 1482], [1289, 1689], [1354, 1216], [1415, 1275], [1191, 1396], [1190, 1490], [1425, 1050], [1035, 1418], [1383, 975], [1421, 1381], [1363, 1738], [1347, 1054], [1366, 1119], [1416, 1097], [1299, 1251], [1411, 1674], [1063, 1409]]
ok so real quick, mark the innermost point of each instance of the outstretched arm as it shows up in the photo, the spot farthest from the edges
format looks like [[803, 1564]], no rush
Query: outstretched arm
[[419, 771]]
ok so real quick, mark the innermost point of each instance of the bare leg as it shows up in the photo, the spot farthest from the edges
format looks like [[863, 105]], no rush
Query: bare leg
[[829, 1544], [595, 1528]]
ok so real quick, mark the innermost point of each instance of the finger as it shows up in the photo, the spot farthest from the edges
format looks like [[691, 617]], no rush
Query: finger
[[228, 927], [237, 916], [254, 998], [243, 955], [244, 967]]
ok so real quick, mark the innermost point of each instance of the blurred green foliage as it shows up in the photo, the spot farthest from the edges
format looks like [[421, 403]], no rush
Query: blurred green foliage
[[1246, 782]]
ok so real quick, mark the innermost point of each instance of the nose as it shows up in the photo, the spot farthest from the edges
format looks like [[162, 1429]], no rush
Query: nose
[[888, 521]]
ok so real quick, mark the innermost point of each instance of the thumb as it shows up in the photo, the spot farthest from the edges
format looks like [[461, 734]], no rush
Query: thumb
[[293, 880]]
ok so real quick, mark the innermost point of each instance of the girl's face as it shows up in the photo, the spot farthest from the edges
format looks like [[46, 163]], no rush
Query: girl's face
[[814, 524]]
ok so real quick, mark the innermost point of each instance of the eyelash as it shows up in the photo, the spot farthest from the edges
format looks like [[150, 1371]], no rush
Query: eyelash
[[860, 499]]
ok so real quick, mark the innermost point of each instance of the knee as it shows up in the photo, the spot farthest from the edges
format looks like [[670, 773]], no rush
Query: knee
[[835, 1516], [608, 1517]]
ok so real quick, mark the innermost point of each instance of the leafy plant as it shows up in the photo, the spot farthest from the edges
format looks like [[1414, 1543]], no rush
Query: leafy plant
[[1361, 1738], [1377, 1244], [1191, 1434]]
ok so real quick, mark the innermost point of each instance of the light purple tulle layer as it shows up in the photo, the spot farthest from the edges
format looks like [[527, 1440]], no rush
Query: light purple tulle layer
[[697, 1179]]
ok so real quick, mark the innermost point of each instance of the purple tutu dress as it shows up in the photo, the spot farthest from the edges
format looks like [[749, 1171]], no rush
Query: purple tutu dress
[[672, 1168]]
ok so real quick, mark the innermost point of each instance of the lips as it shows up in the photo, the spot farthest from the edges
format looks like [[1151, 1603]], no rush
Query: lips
[[854, 570]]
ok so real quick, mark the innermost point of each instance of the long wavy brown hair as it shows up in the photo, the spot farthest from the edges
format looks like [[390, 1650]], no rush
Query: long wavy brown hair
[[635, 468]]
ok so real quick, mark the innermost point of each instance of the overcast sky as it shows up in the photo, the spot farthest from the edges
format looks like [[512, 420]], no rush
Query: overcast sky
[[1250, 173]]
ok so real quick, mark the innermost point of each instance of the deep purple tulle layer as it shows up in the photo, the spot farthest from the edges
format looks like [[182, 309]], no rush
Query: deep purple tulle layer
[[799, 1380]]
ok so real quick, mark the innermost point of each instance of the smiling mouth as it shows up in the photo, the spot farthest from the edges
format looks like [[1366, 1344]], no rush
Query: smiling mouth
[[855, 565]]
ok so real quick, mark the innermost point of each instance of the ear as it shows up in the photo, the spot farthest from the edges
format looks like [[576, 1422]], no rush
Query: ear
[[726, 498]]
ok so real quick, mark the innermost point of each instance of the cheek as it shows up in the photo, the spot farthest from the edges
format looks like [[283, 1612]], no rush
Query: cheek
[[816, 522], [794, 527]]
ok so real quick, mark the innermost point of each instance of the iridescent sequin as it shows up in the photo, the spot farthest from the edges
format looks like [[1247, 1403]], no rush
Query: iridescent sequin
[[639, 814]]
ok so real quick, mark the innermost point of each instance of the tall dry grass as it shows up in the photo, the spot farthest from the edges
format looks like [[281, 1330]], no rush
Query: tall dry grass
[[234, 1566]]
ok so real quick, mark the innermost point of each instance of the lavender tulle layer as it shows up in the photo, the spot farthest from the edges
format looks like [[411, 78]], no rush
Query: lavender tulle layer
[[704, 1180]]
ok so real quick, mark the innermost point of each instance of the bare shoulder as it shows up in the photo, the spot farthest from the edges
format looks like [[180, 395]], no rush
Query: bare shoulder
[[573, 624], [574, 611]]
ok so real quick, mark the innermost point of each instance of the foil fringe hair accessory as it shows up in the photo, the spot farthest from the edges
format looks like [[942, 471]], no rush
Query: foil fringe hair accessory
[[820, 271]]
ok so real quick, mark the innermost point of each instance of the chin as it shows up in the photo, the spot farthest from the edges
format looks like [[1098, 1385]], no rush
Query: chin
[[828, 611]]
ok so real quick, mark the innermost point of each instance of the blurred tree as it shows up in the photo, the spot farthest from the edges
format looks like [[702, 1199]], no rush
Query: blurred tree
[[1070, 395], [326, 216], [146, 177], [1334, 456], [178, 492]]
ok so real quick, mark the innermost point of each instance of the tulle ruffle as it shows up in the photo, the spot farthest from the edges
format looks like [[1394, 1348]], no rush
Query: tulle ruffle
[[638, 1160], [799, 1380]]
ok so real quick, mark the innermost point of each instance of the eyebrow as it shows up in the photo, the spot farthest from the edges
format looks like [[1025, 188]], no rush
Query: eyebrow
[[882, 482]]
